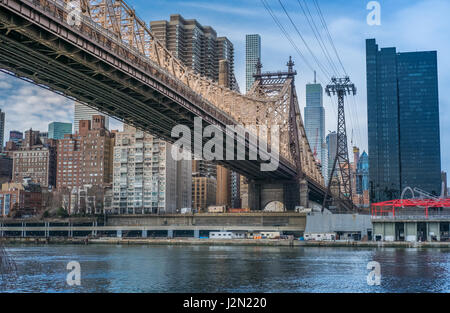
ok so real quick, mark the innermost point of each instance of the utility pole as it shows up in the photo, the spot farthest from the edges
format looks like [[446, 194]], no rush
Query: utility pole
[[341, 87]]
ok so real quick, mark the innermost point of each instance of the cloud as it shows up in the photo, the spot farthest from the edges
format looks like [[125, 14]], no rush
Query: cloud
[[409, 25], [5, 85], [29, 106], [220, 8]]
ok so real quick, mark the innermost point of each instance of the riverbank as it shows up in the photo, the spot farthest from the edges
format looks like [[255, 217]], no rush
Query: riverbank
[[220, 242]]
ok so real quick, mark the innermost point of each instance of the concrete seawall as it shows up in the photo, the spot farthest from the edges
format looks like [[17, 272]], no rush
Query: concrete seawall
[[222, 242]]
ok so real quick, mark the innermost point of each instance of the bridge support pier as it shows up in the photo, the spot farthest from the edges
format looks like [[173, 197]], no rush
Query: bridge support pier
[[265, 195], [254, 196], [304, 193], [269, 195], [70, 231], [24, 232]]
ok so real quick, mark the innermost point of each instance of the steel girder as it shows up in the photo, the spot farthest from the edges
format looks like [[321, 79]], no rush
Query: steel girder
[[113, 62]]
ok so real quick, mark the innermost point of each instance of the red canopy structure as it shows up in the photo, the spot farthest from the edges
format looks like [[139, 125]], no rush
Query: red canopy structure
[[390, 206]]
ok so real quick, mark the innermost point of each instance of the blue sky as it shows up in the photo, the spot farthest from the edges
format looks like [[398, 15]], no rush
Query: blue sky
[[409, 25]]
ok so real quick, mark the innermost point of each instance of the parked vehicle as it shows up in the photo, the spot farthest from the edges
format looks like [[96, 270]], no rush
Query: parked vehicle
[[320, 237], [235, 210], [186, 211], [271, 235], [217, 209], [221, 235]]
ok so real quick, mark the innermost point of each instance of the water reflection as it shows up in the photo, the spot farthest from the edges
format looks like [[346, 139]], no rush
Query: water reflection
[[227, 269]]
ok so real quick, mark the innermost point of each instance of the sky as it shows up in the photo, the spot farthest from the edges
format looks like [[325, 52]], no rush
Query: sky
[[408, 25]]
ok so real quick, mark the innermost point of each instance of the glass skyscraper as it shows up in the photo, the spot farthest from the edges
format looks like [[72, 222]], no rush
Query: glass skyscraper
[[362, 174], [403, 121], [2, 129], [315, 124], [331, 152], [252, 54], [57, 130]]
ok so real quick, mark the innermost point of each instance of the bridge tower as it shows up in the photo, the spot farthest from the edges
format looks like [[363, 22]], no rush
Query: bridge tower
[[281, 86], [341, 87]]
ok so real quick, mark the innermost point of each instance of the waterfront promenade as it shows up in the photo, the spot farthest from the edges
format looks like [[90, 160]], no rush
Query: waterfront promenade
[[160, 226], [219, 242]]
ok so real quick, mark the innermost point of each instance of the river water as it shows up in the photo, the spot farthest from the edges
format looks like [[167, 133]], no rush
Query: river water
[[111, 268]]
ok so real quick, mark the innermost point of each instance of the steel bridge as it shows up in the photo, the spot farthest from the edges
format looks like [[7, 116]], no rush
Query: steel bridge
[[101, 54]]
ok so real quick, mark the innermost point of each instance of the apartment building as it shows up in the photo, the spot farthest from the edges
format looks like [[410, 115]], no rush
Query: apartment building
[[147, 178], [85, 158]]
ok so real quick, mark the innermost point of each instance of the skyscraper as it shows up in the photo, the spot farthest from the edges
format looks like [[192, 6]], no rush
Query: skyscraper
[[199, 48], [403, 121], [444, 192], [331, 149], [225, 51], [362, 173], [252, 55], [85, 113], [196, 46], [2, 129], [57, 130], [315, 124]]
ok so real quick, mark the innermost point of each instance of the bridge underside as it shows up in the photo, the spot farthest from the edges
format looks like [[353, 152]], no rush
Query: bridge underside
[[67, 63], [41, 48]]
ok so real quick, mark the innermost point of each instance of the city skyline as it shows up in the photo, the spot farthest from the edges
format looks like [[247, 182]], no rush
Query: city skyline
[[43, 107], [235, 146]]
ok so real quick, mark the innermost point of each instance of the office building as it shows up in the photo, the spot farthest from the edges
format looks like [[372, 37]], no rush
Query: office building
[[444, 192], [196, 46], [315, 124], [225, 51], [403, 122], [14, 143], [223, 186], [252, 55], [331, 143], [203, 192], [236, 201], [362, 172], [16, 136], [360, 178], [6, 165], [57, 130], [2, 129], [147, 179], [85, 158], [85, 113], [86, 199]]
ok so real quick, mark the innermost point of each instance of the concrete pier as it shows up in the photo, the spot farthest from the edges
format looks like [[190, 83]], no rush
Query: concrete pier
[[170, 225]]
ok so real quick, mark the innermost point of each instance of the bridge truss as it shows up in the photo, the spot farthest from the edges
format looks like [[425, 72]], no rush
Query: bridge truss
[[111, 31]]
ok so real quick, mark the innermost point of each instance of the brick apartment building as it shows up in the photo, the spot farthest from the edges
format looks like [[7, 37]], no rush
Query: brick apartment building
[[35, 160], [86, 157], [18, 199]]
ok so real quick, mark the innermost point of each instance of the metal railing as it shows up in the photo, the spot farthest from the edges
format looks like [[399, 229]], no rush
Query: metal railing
[[445, 216]]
